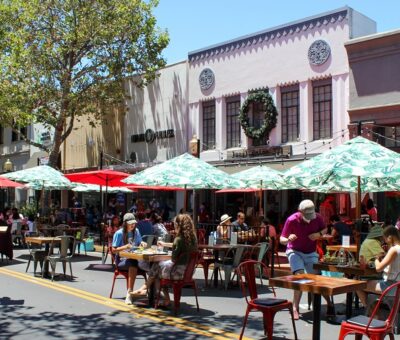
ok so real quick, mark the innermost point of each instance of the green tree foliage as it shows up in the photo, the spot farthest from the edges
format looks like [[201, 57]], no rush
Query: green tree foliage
[[63, 59]]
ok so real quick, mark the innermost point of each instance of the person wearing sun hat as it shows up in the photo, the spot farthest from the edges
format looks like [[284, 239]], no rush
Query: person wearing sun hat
[[371, 248], [300, 234], [223, 229], [123, 240]]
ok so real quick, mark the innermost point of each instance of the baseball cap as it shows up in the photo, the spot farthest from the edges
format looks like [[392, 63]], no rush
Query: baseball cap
[[376, 231], [130, 218], [307, 208]]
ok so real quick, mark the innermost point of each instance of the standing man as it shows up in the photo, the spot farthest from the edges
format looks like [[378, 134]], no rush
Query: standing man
[[239, 224], [300, 233]]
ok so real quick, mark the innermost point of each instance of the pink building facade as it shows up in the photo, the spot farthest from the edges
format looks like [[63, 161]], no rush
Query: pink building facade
[[304, 65]]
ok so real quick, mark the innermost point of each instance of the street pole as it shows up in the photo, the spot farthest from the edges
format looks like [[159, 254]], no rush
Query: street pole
[[194, 147]]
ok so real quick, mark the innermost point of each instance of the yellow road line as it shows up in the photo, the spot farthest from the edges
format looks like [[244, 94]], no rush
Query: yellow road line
[[138, 312]]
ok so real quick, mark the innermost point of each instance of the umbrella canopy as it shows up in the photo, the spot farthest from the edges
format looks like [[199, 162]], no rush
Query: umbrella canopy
[[261, 177], [105, 177], [6, 183], [358, 164], [41, 177], [96, 188], [185, 171]]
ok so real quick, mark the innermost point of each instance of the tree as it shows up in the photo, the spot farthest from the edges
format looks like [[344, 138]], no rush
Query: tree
[[64, 59]]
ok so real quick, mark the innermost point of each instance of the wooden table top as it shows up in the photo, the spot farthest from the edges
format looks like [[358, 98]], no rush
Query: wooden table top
[[145, 257], [352, 248], [317, 284], [41, 239], [348, 270], [225, 246]]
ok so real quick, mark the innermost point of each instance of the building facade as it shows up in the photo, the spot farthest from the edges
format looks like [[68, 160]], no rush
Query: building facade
[[374, 99], [303, 64]]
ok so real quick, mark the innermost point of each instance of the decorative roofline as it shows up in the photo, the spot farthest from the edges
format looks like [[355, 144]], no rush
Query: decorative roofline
[[272, 33]]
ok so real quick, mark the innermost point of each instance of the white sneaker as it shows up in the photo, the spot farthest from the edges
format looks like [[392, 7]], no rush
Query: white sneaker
[[128, 299]]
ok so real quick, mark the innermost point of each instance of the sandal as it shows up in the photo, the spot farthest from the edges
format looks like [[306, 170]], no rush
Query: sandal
[[295, 314]]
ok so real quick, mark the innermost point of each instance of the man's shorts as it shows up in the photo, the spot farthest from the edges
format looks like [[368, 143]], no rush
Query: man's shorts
[[301, 261]]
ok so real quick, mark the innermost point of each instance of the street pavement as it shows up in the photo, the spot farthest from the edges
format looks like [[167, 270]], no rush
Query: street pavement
[[80, 309]]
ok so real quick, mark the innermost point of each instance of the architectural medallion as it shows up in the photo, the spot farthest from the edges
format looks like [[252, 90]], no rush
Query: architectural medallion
[[206, 79], [319, 52]]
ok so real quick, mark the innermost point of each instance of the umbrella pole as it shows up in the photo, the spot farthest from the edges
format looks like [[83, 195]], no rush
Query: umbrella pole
[[358, 202], [260, 200], [358, 213], [185, 200]]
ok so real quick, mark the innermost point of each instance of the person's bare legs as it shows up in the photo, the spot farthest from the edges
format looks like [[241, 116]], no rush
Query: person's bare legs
[[132, 272], [296, 298], [372, 286]]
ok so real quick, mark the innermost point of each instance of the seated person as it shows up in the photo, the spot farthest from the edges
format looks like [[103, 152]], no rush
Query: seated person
[[389, 265], [371, 248], [267, 233], [223, 229], [159, 229], [339, 229], [144, 225], [124, 239], [184, 243], [239, 224]]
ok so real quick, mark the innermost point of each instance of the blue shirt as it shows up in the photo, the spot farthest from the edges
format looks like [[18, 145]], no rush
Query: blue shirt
[[118, 239]]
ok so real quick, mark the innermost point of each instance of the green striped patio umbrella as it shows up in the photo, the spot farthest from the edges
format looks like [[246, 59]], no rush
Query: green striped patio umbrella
[[338, 169], [261, 177], [41, 177], [185, 171], [358, 165]]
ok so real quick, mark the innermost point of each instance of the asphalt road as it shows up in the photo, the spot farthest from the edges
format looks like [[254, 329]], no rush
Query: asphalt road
[[80, 309]]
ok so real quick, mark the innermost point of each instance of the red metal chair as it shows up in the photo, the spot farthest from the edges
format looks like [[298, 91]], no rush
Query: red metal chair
[[186, 282], [371, 327], [246, 272], [123, 273]]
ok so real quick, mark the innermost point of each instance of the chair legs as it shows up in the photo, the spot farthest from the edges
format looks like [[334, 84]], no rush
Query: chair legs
[[112, 287], [244, 322]]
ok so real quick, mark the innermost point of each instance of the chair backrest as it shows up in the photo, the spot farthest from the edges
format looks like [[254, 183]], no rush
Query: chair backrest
[[80, 235], [246, 272], [391, 293], [238, 256], [64, 245], [191, 265], [262, 250], [201, 236]]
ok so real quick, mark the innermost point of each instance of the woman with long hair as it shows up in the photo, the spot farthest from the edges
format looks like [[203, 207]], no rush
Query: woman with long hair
[[389, 265], [184, 243]]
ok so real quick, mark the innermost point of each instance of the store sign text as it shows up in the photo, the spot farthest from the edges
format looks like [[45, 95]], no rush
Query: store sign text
[[150, 136]]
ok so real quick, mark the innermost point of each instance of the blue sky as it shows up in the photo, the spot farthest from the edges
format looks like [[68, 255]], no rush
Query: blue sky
[[194, 24]]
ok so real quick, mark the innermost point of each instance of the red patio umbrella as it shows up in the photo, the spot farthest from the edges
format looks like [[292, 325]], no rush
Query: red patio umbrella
[[7, 183], [105, 177]]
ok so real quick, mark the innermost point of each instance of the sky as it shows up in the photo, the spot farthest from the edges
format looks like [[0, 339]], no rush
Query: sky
[[195, 24]]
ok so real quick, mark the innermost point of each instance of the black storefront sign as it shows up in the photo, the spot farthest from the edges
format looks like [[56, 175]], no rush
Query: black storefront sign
[[150, 136]]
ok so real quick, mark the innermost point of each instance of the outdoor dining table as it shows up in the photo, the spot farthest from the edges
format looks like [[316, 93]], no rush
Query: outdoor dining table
[[319, 285], [221, 247], [149, 256]]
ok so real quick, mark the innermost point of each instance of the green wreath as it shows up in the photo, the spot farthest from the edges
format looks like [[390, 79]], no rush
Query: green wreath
[[270, 115]]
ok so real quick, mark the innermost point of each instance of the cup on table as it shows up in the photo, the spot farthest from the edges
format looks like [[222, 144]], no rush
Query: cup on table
[[154, 248]]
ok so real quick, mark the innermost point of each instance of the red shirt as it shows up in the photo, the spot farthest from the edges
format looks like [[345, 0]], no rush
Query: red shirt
[[296, 225]]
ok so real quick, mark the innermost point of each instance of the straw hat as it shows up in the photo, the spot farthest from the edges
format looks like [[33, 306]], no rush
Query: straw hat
[[225, 218], [376, 231]]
